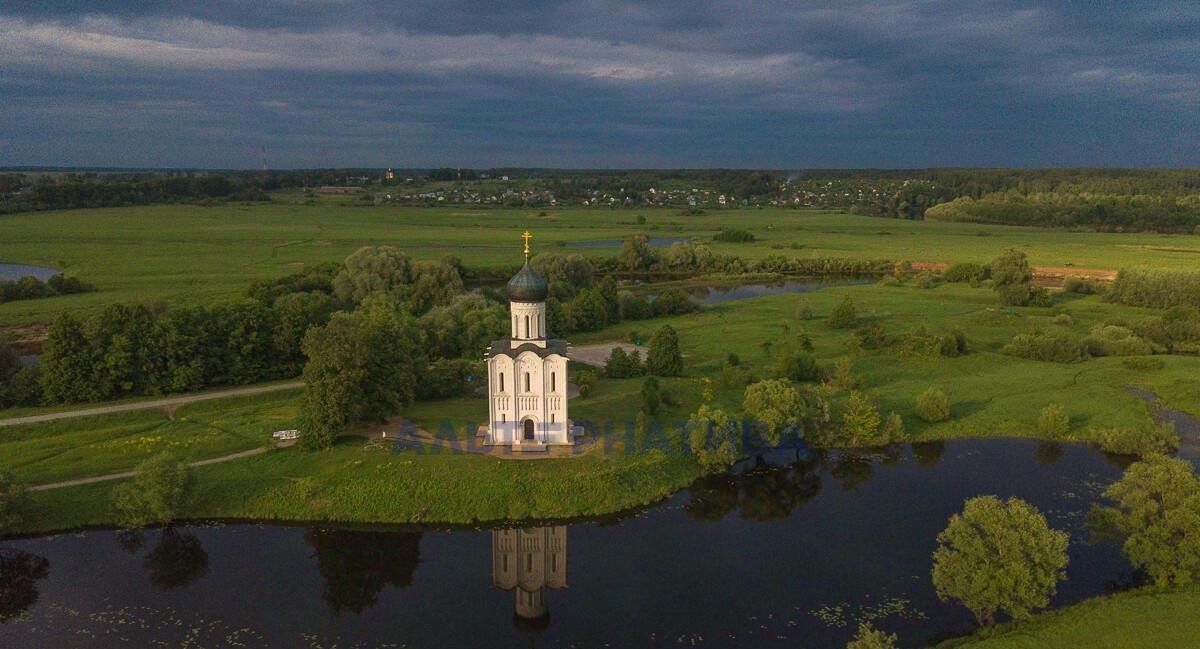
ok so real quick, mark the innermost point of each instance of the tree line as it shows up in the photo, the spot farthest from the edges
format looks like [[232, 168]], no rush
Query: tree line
[[32, 288]]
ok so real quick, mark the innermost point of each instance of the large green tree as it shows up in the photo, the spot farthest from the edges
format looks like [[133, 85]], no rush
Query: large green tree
[[157, 493], [714, 438], [663, 357], [68, 359], [779, 410], [1012, 277], [999, 556], [1156, 513], [362, 366]]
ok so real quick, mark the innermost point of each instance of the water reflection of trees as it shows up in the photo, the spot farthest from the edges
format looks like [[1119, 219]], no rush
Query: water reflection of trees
[[19, 573], [762, 493], [928, 454], [177, 559], [356, 565]]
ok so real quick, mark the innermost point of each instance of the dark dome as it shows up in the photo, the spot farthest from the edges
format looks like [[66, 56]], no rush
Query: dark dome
[[528, 286]]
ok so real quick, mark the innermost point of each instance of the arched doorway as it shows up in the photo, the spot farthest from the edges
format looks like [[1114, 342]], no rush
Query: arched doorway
[[527, 427]]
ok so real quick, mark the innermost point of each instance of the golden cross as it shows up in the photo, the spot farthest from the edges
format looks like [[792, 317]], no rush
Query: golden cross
[[526, 236]]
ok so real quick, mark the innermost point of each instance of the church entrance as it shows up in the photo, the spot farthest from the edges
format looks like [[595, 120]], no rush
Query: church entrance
[[528, 426]]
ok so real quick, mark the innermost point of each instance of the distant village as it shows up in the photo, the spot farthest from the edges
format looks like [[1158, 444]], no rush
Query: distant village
[[486, 189]]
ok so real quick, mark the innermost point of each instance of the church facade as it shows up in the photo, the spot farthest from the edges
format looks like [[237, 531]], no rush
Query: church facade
[[527, 372]]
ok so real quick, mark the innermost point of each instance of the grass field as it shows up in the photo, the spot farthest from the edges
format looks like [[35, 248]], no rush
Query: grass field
[[1135, 620], [991, 395], [192, 254]]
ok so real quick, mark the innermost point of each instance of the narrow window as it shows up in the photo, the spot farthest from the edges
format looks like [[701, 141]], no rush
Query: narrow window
[[526, 326], [527, 381], [554, 563], [502, 381], [553, 381], [505, 569], [552, 418], [529, 562]]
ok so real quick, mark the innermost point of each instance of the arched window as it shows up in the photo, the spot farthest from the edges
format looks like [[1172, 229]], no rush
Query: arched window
[[502, 381], [552, 418], [526, 326], [553, 381], [527, 381]]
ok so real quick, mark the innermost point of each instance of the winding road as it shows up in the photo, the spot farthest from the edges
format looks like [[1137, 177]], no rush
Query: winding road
[[151, 405]]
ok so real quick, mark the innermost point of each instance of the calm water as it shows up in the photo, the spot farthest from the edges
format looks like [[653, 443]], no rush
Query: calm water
[[790, 556], [14, 272], [660, 242]]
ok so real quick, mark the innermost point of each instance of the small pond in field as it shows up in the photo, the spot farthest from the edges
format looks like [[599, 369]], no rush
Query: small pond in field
[[14, 272], [783, 553], [659, 242]]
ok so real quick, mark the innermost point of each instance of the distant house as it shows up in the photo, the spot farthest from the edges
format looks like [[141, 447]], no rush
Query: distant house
[[339, 189]]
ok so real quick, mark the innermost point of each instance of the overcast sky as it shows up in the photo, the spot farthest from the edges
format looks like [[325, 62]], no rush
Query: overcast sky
[[602, 83]]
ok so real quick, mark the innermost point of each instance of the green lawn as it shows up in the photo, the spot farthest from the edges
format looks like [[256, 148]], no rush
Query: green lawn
[[1136, 620], [192, 254]]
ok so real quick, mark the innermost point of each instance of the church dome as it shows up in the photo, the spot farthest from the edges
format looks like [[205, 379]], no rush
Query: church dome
[[528, 286]]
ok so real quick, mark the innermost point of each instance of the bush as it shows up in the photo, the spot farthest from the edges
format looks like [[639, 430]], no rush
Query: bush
[[868, 637], [633, 307], [1158, 289], [1143, 363], [926, 279], [1050, 347], [156, 494], [732, 235], [796, 365], [863, 425], [1080, 286], [933, 405], [621, 365], [965, 272], [953, 344], [1113, 340], [1053, 422], [585, 380], [1012, 278], [14, 503], [663, 357], [844, 315], [1063, 319], [651, 396], [673, 301], [873, 337], [1132, 441]]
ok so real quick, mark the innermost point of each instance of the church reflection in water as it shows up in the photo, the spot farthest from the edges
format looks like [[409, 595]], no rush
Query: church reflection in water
[[530, 562]]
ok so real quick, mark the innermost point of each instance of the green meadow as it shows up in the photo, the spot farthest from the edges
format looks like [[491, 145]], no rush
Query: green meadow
[[1134, 620], [991, 394], [193, 254]]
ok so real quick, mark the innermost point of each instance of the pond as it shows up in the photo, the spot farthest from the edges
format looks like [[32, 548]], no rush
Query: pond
[[14, 272], [793, 555], [659, 242]]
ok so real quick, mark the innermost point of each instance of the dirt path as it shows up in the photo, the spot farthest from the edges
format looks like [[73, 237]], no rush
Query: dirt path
[[129, 474], [169, 403]]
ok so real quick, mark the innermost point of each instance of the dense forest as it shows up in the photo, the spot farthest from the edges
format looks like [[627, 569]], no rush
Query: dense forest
[[1164, 200]]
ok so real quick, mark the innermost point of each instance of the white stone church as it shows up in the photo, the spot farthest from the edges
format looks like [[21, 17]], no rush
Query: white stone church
[[527, 373]]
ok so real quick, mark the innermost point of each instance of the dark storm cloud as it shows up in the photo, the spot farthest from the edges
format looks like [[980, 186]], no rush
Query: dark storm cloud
[[600, 83]]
